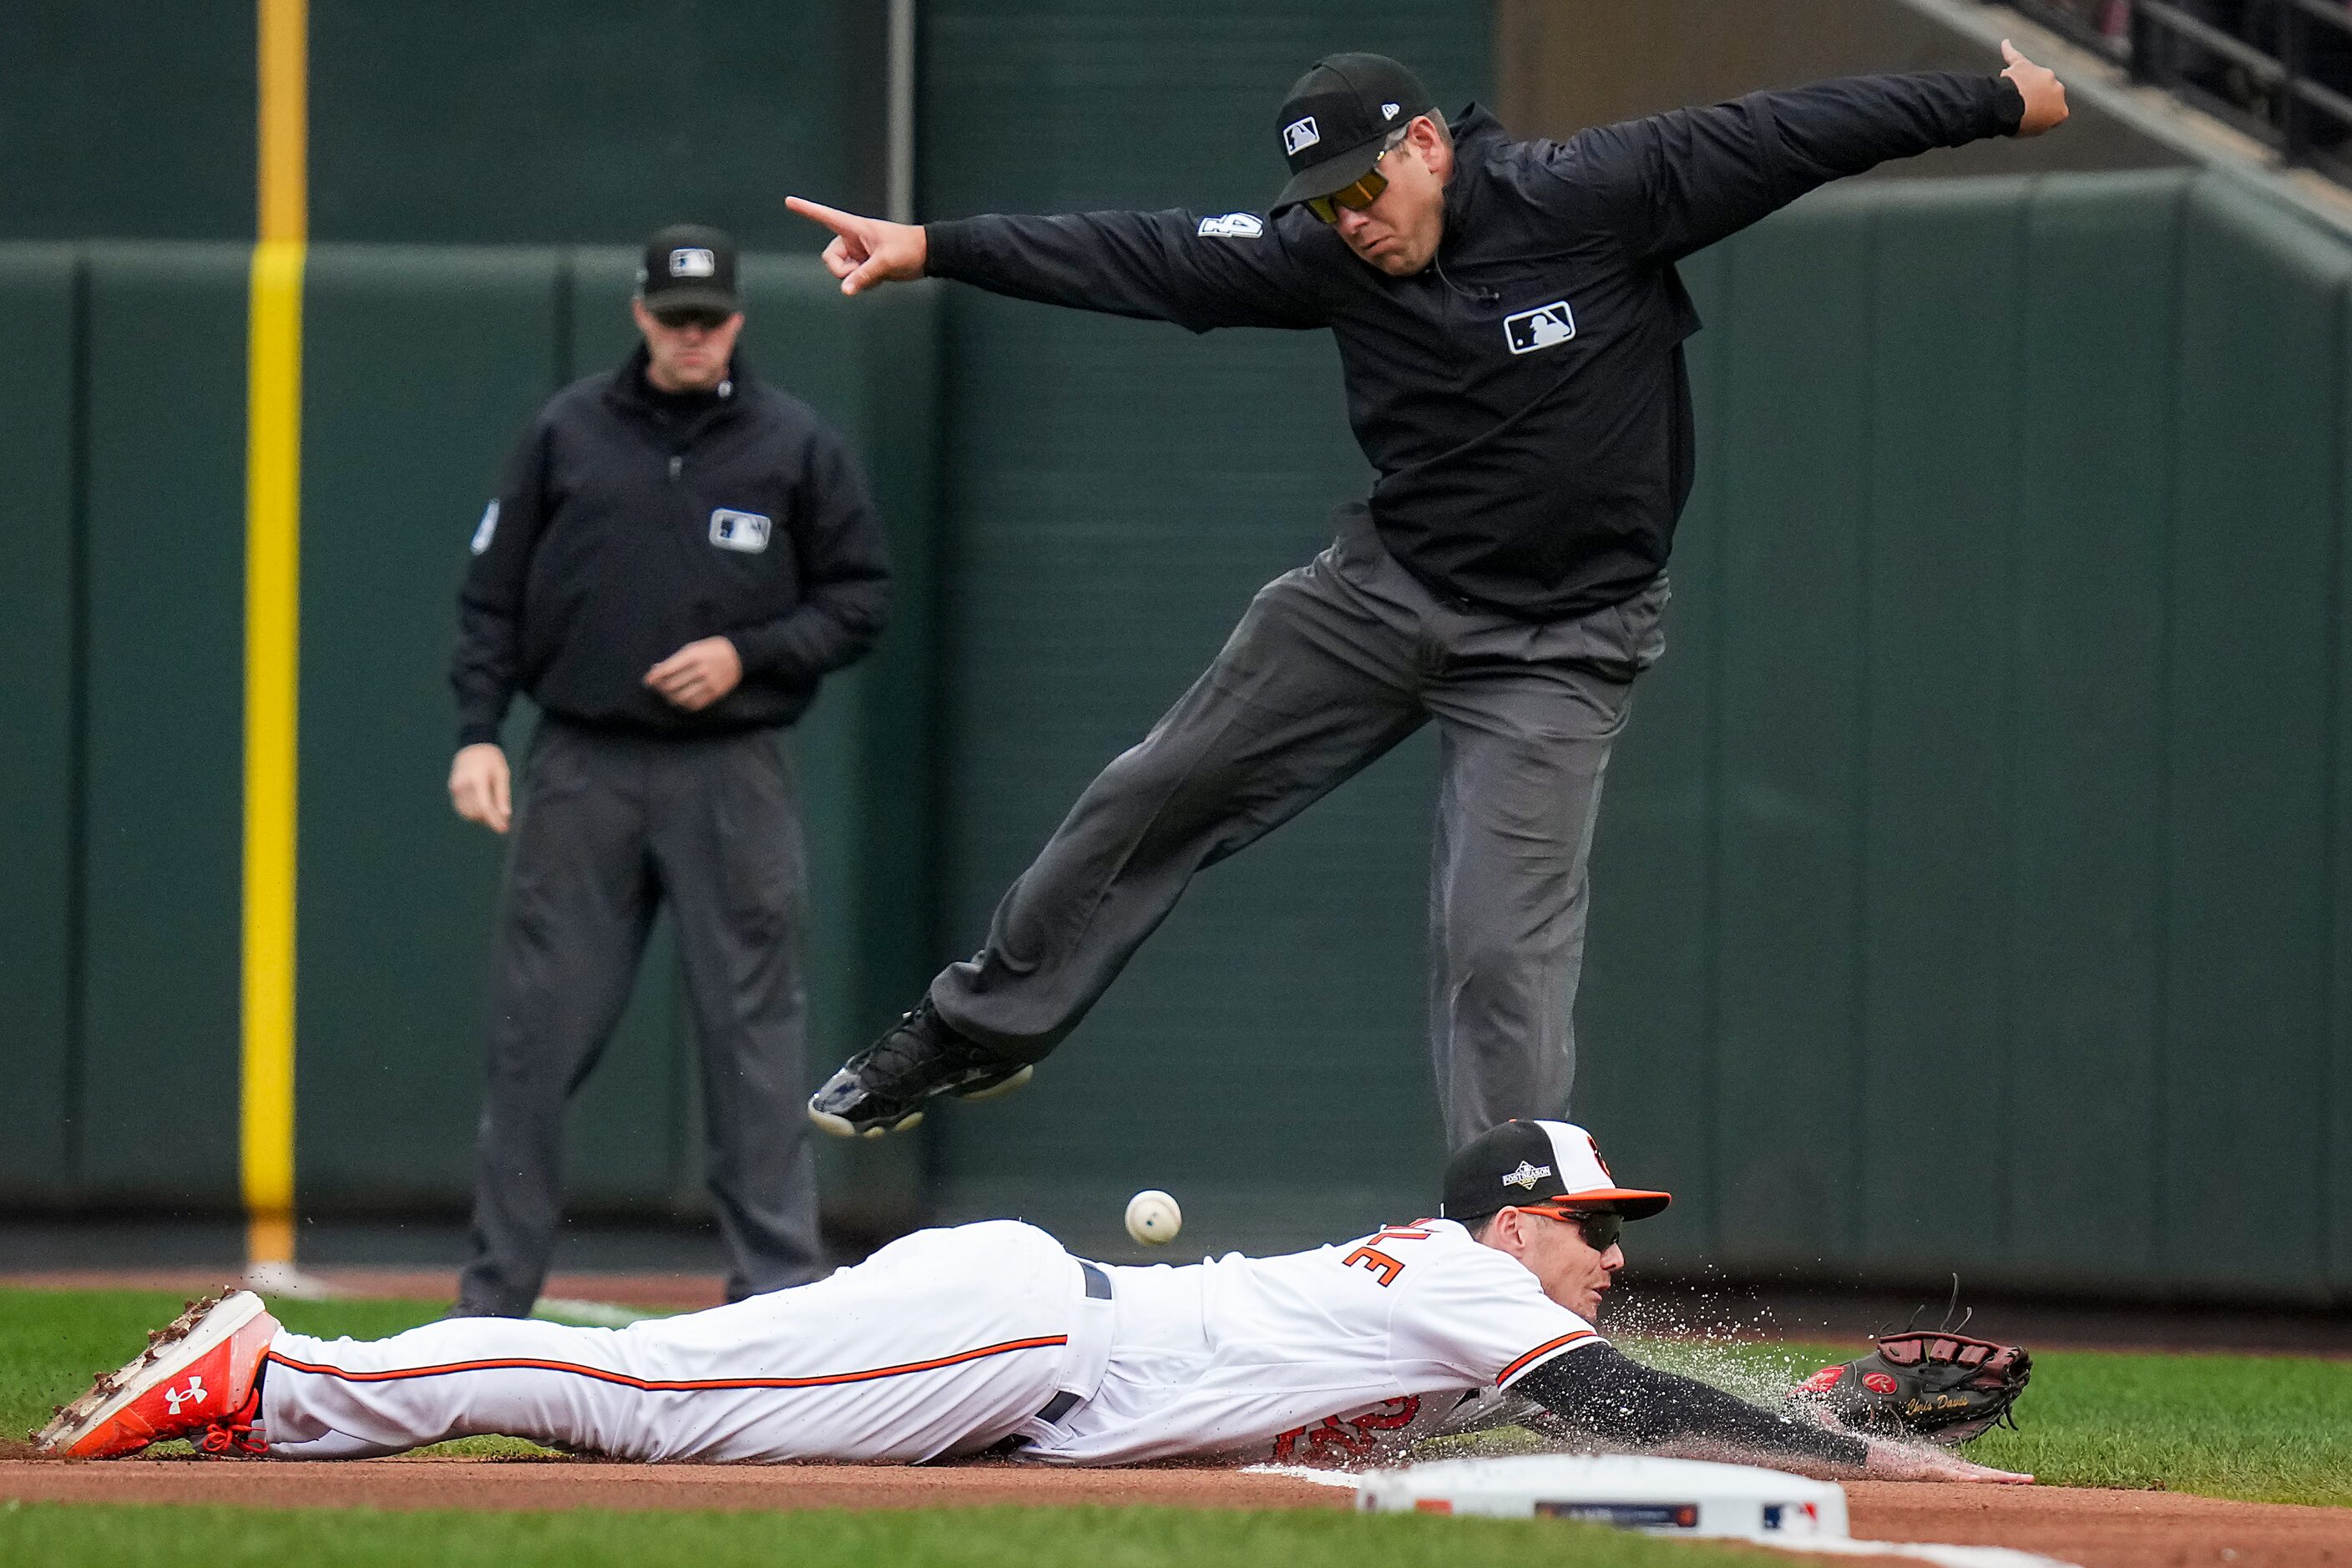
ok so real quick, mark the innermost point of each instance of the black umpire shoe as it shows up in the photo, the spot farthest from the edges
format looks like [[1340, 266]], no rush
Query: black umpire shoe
[[885, 1087]]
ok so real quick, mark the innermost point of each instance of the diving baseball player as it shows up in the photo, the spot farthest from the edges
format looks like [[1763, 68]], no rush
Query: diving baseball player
[[1510, 326], [990, 1338]]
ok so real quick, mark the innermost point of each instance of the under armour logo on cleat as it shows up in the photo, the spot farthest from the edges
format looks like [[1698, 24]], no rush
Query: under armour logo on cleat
[[192, 1394]]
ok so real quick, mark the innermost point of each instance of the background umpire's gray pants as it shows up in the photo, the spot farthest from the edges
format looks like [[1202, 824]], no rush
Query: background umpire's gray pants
[[1334, 664], [607, 824]]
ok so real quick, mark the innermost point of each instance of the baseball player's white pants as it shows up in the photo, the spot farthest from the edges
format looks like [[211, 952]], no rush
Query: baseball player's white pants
[[945, 1341]]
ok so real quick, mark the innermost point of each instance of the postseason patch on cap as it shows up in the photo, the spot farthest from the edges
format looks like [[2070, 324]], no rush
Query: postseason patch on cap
[[1537, 1164], [1526, 1177], [692, 261]]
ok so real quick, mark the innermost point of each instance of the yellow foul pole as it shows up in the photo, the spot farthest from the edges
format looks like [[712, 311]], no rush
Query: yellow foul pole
[[273, 577]]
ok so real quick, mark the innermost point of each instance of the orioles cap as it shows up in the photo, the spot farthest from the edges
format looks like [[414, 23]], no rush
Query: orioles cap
[[1550, 1165]]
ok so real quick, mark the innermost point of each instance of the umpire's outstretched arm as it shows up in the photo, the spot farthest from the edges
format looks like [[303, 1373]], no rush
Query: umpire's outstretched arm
[[1665, 186], [1676, 182]]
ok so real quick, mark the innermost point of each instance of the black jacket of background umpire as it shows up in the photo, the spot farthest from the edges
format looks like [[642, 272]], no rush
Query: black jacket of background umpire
[[1523, 399], [629, 525]]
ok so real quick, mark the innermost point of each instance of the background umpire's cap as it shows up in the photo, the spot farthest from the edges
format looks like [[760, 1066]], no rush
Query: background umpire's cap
[[1554, 1166], [1337, 116], [688, 267]]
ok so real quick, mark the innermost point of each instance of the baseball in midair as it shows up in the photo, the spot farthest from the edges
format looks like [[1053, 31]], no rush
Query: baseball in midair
[[1153, 1218]]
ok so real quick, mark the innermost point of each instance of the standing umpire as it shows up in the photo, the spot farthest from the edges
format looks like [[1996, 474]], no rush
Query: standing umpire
[[678, 554], [1510, 326]]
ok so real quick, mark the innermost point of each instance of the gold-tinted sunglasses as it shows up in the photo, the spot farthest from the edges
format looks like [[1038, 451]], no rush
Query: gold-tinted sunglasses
[[1361, 193]]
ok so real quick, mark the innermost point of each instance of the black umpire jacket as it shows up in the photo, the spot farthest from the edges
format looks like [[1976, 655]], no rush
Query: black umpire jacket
[[1523, 399], [624, 530]]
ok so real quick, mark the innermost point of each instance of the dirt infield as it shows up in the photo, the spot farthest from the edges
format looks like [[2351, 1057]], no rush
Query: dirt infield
[[2096, 1529]]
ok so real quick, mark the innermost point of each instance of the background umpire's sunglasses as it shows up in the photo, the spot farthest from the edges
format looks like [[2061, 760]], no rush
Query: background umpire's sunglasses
[[709, 319], [1354, 197]]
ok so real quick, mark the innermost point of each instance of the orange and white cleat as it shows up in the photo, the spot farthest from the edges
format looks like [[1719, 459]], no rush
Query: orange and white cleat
[[200, 1377]]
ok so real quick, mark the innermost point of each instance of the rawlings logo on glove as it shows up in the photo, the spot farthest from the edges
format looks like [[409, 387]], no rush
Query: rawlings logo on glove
[[1941, 1385]]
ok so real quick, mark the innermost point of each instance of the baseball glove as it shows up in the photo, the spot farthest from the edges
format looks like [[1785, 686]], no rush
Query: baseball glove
[[1940, 1386]]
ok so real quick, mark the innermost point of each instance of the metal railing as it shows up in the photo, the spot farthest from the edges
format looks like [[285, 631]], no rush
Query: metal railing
[[2280, 70]]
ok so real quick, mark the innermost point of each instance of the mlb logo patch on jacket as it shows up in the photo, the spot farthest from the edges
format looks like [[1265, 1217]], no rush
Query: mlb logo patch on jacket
[[743, 530], [1540, 328]]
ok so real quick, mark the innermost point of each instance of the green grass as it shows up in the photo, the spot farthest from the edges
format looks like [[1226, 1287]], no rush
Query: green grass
[[88, 1536], [54, 1342], [2271, 1428], [2267, 1428]]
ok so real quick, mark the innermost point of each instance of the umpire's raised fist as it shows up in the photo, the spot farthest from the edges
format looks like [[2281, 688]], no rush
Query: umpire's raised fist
[[2045, 94]]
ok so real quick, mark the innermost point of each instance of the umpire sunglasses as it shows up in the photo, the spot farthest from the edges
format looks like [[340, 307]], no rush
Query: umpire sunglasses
[[1360, 193], [703, 316]]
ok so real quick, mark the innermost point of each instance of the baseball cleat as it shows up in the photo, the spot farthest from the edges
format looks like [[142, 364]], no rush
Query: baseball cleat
[[200, 1372], [885, 1087], [995, 1086]]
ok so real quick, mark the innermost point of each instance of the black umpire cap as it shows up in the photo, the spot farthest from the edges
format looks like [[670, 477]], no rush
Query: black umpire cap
[[688, 267], [1336, 117]]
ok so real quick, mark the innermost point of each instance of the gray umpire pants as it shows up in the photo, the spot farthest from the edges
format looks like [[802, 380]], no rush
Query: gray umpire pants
[[607, 825], [1334, 664]]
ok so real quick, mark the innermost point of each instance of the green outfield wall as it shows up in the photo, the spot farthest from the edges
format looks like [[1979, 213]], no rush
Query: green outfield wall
[[528, 121], [120, 791], [1972, 885], [1976, 871]]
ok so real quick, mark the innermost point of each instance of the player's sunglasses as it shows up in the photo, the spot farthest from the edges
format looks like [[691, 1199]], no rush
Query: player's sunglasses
[[708, 319], [1602, 1227], [1357, 195]]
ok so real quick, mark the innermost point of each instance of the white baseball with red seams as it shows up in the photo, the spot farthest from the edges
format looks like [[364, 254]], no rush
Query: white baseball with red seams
[[950, 1341]]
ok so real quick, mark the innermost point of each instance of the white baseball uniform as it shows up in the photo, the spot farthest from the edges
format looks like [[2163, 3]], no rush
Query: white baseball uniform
[[949, 1342]]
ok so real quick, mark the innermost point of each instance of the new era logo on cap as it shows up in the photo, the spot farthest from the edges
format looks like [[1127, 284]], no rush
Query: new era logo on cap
[[692, 261], [1299, 135]]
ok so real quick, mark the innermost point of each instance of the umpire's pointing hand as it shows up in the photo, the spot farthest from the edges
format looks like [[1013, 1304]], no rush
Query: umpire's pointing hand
[[2045, 94], [480, 787], [866, 250]]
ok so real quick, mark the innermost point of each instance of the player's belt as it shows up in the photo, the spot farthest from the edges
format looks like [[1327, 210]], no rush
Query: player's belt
[[1098, 1289]]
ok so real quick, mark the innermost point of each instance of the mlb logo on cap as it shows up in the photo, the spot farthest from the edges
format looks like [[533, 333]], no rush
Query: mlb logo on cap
[[1299, 135], [688, 266]]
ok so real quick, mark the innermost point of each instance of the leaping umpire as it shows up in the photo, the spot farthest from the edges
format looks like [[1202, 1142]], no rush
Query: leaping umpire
[[1510, 326]]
